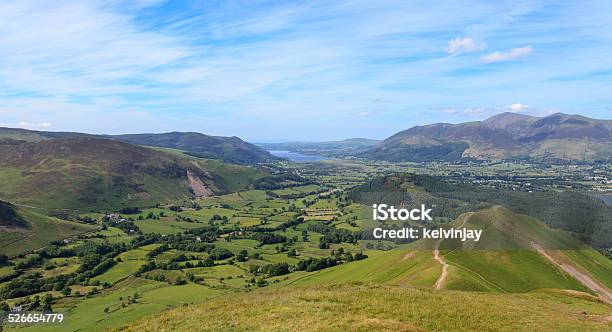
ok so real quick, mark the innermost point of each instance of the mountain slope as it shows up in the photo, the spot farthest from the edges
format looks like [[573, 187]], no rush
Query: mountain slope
[[93, 173], [229, 149], [35, 230], [506, 135], [511, 256], [359, 307]]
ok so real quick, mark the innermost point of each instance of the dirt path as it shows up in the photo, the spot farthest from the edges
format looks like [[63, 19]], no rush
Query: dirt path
[[604, 293], [444, 275], [442, 278]]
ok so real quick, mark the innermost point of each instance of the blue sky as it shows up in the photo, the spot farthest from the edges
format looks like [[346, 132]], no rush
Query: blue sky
[[278, 71]]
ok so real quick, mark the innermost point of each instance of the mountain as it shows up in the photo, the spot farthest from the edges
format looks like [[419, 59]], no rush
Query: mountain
[[506, 135], [229, 149], [91, 173]]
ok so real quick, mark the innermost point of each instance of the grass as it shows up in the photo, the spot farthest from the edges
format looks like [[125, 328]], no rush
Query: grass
[[43, 230], [89, 313], [396, 267], [599, 266], [165, 227], [383, 308], [510, 271], [120, 271]]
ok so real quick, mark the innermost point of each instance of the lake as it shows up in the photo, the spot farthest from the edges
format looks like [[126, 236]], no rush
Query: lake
[[297, 157]]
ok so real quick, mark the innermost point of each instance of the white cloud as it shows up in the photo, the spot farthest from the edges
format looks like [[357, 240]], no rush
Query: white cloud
[[364, 113], [463, 45], [518, 107], [448, 110], [25, 124], [512, 54]]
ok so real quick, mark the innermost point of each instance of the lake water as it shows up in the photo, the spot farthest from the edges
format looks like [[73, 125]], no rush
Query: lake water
[[297, 157], [606, 198]]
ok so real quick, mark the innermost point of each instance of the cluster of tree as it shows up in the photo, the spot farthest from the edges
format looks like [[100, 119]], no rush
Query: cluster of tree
[[35, 283], [334, 235], [220, 254], [9, 216], [271, 270], [130, 210], [267, 238], [152, 265], [314, 264], [279, 181], [156, 251], [185, 219]]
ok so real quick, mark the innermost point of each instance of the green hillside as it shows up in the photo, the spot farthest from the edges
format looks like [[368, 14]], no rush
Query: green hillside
[[504, 260], [99, 174], [358, 307], [38, 232]]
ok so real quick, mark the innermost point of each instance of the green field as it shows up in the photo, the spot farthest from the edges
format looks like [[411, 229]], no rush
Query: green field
[[120, 271]]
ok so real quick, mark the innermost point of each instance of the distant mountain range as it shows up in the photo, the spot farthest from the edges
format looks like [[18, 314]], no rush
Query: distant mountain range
[[505, 135], [229, 149], [343, 148]]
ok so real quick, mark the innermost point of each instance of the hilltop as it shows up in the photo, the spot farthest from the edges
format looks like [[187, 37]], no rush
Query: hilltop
[[87, 173], [365, 307], [229, 149], [506, 135]]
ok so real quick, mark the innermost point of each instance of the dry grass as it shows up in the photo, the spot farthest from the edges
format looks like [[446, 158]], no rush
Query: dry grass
[[361, 307]]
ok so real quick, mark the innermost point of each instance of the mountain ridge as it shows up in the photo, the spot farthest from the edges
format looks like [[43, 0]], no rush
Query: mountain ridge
[[505, 135], [228, 149]]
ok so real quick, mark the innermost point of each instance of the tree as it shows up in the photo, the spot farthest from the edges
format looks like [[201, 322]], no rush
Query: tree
[[66, 291]]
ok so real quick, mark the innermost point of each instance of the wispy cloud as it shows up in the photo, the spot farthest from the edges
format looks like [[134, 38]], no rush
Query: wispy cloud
[[463, 45], [291, 69], [509, 55], [25, 124]]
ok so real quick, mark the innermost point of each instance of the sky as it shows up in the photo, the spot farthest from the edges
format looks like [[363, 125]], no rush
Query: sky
[[271, 71]]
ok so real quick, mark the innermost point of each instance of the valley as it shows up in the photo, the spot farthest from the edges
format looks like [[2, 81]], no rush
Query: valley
[[122, 236]]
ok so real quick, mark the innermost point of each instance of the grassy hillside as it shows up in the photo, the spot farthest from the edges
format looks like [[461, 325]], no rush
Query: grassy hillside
[[395, 267], [100, 174], [39, 232], [504, 259], [384, 308]]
